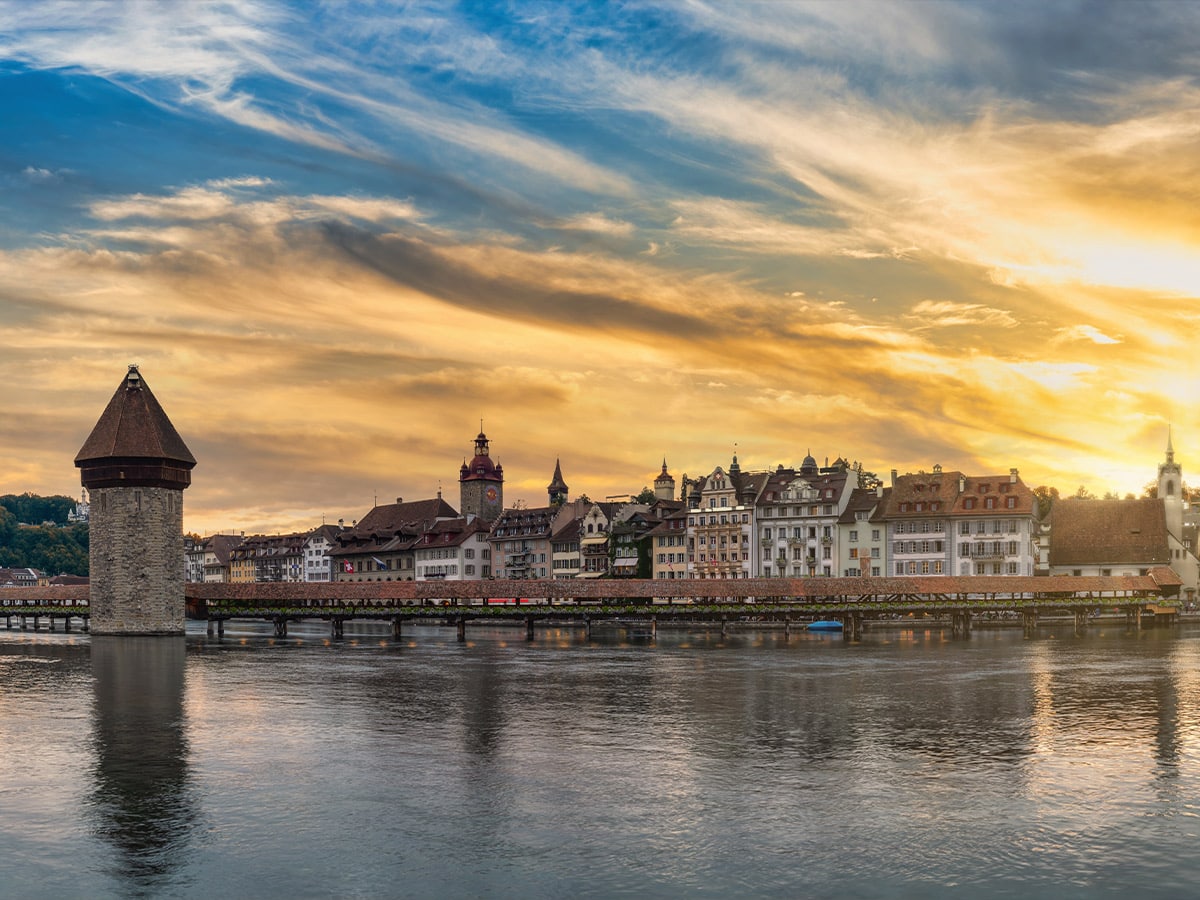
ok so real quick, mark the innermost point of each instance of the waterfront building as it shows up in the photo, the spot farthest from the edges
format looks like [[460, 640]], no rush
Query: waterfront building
[[630, 542], [1127, 537], [798, 513], [381, 547], [263, 558], [594, 540], [721, 526], [668, 541], [216, 551], [318, 566], [521, 543], [861, 537], [565, 557], [941, 523], [481, 483], [193, 559], [454, 550]]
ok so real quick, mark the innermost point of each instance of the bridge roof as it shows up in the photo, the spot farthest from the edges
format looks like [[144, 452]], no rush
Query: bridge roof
[[1160, 583]]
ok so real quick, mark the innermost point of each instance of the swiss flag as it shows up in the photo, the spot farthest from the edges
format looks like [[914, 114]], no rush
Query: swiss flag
[[347, 566]]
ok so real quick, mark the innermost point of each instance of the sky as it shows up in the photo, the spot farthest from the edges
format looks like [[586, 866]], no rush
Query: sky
[[337, 238]]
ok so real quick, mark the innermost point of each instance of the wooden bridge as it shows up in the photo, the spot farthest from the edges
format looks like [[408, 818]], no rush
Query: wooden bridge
[[790, 601]]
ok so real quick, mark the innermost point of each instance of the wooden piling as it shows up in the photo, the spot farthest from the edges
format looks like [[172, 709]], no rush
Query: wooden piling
[[397, 628], [462, 629], [529, 628]]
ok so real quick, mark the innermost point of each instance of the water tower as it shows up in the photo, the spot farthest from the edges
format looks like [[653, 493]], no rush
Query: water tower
[[135, 467]]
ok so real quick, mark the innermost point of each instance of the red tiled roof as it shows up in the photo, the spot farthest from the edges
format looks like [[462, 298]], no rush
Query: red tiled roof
[[1103, 532]]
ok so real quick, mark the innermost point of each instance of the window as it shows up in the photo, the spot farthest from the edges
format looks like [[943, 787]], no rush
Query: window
[[874, 534], [853, 536], [1010, 502], [964, 527], [766, 534]]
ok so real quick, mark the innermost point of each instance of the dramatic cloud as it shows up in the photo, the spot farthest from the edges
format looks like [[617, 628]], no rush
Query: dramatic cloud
[[337, 238]]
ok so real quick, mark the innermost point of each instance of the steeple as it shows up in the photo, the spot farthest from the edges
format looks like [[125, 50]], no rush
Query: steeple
[[1170, 489], [557, 489]]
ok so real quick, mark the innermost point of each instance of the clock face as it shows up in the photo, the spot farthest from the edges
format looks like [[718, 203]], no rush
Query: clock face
[[491, 495]]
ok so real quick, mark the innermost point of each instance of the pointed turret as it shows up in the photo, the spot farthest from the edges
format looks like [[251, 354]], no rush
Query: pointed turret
[[134, 443], [664, 484], [557, 489]]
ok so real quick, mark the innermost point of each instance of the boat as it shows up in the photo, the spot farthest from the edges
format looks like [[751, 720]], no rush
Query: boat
[[825, 625]]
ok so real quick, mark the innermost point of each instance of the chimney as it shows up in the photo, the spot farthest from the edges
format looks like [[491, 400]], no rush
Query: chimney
[[962, 482], [894, 473], [1012, 476], [399, 499]]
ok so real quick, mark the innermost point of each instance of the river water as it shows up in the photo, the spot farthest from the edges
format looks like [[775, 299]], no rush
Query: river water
[[749, 765]]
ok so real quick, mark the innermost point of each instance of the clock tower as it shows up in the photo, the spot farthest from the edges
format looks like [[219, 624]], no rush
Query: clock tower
[[481, 484]]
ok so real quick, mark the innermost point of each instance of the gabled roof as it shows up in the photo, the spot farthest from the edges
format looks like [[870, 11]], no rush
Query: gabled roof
[[1109, 532], [393, 517]]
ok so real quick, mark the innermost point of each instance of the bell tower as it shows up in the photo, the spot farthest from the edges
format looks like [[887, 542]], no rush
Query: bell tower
[[481, 483], [1170, 490], [135, 467]]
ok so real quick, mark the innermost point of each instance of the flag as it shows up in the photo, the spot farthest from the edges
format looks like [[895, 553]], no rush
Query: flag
[[347, 566], [379, 562]]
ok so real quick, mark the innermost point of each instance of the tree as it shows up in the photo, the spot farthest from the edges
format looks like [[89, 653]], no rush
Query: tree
[[646, 495], [1046, 497], [1082, 493], [1185, 493]]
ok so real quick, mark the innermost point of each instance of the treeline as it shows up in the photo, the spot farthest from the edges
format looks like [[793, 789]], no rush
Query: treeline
[[57, 549]]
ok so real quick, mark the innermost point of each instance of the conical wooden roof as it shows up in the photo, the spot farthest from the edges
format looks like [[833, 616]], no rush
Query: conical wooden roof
[[134, 442]]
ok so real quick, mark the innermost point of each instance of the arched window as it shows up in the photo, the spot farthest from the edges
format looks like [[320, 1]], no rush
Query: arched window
[[1170, 488]]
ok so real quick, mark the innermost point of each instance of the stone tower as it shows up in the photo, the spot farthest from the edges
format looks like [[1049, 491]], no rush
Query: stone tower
[[135, 466], [664, 484], [481, 484], [557, 488]]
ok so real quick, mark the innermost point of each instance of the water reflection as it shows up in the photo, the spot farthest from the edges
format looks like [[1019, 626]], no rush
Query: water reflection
[[142, 803]]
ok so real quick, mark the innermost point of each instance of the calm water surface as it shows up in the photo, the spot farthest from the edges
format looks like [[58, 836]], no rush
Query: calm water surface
[[909, 765]]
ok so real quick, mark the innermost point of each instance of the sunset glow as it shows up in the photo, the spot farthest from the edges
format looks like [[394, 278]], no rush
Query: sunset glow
[[337, 238]]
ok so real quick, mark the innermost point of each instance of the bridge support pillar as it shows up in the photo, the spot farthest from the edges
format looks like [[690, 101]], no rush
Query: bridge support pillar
[[280, 627], [37, 622], [24, 622], [397, 628], [51, 622], [654, 628], [852, 627], [1029, 623], [587, 627], [787, 627], [462, 629], [1080, 621], [529, 628], [66, 624], [724, 626], [209, 627], [337, 626]]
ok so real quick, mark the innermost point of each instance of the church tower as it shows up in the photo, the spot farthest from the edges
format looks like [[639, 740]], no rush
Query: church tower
[[557, 489], [1170, 490], [135, 467], [481, 483], [664, 484]]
